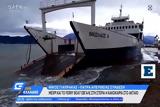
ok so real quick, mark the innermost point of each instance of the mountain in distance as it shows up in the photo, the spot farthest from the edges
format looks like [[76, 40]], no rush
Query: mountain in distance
[[148, 39], [17, 40], [5, 39], [71, 36]]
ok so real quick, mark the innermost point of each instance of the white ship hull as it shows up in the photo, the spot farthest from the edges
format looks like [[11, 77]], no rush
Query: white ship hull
[[51, 45], [100, 44], [94, 37]]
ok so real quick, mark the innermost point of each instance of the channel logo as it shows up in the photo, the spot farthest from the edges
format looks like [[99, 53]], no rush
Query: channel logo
[[148, 71], [18, 86]]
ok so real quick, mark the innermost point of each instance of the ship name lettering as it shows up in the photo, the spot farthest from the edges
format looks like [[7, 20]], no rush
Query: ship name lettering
[[96, 34]]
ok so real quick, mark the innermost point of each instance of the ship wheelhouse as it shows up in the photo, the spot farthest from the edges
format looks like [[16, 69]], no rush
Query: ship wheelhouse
[[123, 25]]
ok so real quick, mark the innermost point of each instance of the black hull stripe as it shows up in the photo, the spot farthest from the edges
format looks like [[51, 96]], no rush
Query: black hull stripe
[[77, 35], [113, 54]]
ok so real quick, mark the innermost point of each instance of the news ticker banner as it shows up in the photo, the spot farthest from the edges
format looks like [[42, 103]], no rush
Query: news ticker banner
[[81, 93]]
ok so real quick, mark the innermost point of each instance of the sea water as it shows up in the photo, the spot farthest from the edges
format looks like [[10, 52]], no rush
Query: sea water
[[12, 57]]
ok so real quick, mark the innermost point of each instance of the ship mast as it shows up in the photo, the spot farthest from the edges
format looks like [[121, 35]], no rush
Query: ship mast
[[120, 11]]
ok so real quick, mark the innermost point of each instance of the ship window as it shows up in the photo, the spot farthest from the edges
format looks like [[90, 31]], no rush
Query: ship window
[[132, 26], [126, 27], [109, 28], [129, 27], [135, 26], [114, 27], [120, 27], [123, 27], [117, 27]]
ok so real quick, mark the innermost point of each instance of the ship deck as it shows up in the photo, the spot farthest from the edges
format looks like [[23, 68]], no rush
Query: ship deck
[[52, 65]]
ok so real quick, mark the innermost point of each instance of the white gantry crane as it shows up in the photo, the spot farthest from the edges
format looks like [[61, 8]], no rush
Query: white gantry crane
[[50, 42], [73, 4]]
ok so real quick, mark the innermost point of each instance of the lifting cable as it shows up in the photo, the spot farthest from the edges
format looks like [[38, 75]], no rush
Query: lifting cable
[[28, 54]]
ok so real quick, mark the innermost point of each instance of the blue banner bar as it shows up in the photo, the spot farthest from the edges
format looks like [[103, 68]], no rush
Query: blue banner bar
[[97, 87], [55, 99]]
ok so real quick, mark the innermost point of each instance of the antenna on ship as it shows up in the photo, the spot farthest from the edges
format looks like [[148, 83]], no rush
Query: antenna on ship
[[120, 11], [73, 16]]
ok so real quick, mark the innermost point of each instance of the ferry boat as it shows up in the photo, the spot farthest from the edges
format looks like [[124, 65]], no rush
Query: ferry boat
[[118, 40]]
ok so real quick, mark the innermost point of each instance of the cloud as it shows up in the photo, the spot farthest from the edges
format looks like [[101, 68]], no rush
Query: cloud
[[14, 13]]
